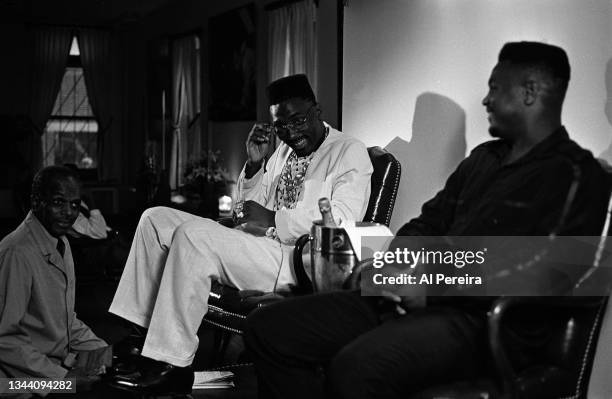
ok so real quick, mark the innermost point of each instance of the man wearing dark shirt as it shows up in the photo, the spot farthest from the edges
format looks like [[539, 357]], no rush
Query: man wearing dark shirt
[[490, 195], [516, 185]]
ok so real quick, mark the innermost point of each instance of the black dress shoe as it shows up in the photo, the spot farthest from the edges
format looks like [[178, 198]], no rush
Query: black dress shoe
[[126, 356], [130, 345], [159, 378], [129, 365]]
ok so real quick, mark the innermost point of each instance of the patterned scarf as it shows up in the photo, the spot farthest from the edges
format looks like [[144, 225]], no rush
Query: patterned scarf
[[291, 181]]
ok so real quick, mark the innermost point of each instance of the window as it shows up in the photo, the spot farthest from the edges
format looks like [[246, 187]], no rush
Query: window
[[71, 133]]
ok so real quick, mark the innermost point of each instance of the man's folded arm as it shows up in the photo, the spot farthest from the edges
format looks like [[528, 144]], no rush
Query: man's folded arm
[[251, 188], [82, 338]]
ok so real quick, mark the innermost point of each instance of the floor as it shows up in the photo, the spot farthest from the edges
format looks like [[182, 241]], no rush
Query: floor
[[94, 299]]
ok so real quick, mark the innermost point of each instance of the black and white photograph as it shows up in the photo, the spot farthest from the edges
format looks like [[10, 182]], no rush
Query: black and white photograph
[[279, 199]]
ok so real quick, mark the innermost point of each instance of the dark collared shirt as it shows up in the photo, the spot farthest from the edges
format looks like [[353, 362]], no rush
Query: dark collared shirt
[[526, 197]]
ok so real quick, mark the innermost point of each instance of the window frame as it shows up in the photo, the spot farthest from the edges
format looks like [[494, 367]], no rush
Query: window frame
[[74, 61]]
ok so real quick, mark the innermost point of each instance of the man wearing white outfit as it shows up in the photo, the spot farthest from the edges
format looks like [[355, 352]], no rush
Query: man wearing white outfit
[[176, 255]]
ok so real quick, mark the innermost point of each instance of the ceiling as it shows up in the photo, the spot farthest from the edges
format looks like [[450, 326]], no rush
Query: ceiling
[[78, 12]]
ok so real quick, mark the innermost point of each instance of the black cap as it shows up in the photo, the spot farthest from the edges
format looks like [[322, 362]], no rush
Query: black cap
[[289, 87]]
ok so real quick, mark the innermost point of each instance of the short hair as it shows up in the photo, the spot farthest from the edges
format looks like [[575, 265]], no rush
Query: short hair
[[46, 179], [551, 60], [294, 86]]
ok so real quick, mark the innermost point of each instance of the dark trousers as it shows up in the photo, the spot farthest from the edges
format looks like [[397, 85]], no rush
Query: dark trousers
[[337, 345]]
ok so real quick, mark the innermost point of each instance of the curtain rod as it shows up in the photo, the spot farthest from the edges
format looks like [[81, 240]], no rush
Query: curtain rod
[[282, 3]]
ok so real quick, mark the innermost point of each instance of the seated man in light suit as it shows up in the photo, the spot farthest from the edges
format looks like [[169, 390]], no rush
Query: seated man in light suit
[[175, 256], [40, 335]]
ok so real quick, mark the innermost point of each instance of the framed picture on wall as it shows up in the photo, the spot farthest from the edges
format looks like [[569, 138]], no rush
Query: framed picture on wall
[[232, 65]]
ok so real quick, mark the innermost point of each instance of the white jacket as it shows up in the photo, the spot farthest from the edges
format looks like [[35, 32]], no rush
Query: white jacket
[[340, 170]]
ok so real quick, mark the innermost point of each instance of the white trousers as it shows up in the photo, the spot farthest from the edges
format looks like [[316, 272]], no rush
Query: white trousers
[[167, 277]]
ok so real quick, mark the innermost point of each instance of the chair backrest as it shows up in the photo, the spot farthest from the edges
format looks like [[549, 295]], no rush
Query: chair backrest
[[598, 354], [581, 346], [385, 183]]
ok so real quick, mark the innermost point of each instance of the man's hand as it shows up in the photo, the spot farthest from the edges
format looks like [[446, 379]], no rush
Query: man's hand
[[86, 199], [404, 303], [258, 143], [90, 366], [83, 381], [94, 362], [257, 215], [89, 201]]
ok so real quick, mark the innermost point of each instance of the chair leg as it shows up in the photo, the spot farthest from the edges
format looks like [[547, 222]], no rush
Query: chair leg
[[224, 344], [221, 340], [216, 348]]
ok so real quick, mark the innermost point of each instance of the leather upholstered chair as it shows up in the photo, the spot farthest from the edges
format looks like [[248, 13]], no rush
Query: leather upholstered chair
[[228, 307], [565, 358]]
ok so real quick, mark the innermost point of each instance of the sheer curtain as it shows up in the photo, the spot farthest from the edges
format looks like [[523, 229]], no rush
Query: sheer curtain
[[292, 41], [185, 92], [51, 49], [94, 45]]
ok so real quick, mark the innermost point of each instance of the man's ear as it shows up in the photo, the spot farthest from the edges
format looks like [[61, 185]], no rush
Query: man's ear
[[35, 203], [531, 89]]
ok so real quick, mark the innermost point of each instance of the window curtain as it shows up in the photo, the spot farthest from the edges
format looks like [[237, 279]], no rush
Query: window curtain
[[51, 49], [185, 93], [94, 45], [292, 41]]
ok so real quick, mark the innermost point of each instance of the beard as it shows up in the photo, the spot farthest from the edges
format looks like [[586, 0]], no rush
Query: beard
[[504, 127], [494, 132]]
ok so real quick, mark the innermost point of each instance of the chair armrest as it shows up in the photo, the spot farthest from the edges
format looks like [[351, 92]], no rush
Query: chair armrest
[[227, 222], [241, 301], [258, 301], [499, 309], [504, 303], [304, 285]]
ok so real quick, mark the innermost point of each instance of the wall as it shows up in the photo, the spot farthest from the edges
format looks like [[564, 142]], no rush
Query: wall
[[130, 103], [13, 86], [397, 51], [14, 42], [327, 69]]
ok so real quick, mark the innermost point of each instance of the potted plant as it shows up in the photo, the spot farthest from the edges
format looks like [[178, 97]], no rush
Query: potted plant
[[205, 180]]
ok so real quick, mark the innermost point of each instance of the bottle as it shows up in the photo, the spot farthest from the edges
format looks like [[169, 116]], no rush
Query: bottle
[[326, 212]]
